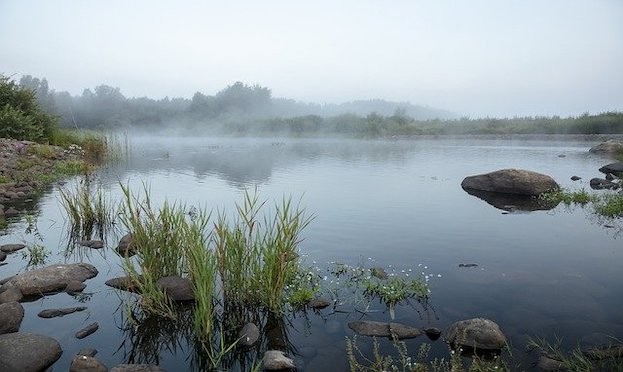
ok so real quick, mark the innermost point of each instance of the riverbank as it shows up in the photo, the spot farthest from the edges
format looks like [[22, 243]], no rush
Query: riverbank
[[26, 168]]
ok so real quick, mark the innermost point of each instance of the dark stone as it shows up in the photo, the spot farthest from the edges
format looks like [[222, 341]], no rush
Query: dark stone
[[512, 202], [11, 212], [614, 168], [370, 328], [511, 181], [8, 248], [432, 333], [11, 294], [136, 368], [125, 283], [575, 178], [402, 331], [249, 334], [610, 177], [27, 352], [11, 315], [74, 286], [468, 265], [378, 272], [2, 256], [478, 333], [52, 278], [83, 363], [84, 332], [52, 313], [602, 184], [547, 363], [275, 360], [177, 288], [318, 303], [126, 246], [95, 244]]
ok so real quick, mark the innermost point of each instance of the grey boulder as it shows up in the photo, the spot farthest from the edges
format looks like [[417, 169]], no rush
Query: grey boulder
[[511, 181], [52, 278], [478, 333], [25, 352], [177, 288], [11, 315]]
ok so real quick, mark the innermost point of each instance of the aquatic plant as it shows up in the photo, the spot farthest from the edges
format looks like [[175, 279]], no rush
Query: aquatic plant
[[568, 197], [605, 358], [610, 205], [88, 210]]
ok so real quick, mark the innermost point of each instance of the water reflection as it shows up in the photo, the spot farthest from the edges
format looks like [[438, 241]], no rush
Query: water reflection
[[513, 203]]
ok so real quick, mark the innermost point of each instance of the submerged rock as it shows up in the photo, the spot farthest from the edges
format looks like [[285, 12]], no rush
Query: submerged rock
[[607, 148], [86, 331], [53, 313], [478, 333], [11, 316], [547, 363], [318, 303], [126, 245], [513, 202], [11, 294], [249, 334], [401, 331], [83, 363], [125, 283], [432, 333], [378, 272], [604, 352], [511, 181], [275, 360], [8, 248], [27, 352], [603, 184], [575, 178], [52, 278], [177, 288], [2, 256], [95, 244], [383, 329]]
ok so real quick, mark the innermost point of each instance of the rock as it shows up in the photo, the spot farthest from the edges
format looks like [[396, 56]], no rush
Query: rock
[[2, 256], [8, 248], [378, 272], [52, 278], [11, 212], [511, 181], [602, 184], [11, 294], [74, 286], [575, 178], [95, 244], [614, 168], [476, 333], [136, 368], [83, 363], [84, 332], [87, 352], [370, 328], [53, 313], [432, 333], [275, 360], [126, 246], [609, 147], [401, 331], [27, 352], [249, 334], [547, 363], [7, 279], [177, 288], [125, 283], [318, 303], [604, 352], [11, 315], [468, 265], [610, 177]]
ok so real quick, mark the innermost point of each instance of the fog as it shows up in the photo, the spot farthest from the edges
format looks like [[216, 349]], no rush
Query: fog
[[476, 58]]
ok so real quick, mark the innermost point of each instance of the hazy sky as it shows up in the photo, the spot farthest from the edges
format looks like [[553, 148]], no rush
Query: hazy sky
[[479, 58]]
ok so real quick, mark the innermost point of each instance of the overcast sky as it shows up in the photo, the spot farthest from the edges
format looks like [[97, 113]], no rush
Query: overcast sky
[[478, 58]]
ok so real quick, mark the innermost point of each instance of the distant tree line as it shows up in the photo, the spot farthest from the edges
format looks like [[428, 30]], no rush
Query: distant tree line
[[246, 109]]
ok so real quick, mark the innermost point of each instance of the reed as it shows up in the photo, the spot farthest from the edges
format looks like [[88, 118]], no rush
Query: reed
[[88, 210]]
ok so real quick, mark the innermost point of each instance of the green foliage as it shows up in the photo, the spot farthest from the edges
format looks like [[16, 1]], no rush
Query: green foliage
[[610, 205], [88, 210], [607, 204], [20, 115], [568, 197]]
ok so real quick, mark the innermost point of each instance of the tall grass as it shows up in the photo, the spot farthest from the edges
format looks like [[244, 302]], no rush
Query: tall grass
[[88, 210]]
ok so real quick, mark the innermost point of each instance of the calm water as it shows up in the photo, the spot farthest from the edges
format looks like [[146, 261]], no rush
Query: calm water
[[396, 204]]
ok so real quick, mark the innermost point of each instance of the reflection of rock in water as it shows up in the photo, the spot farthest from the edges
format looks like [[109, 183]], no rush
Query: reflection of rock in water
[[512, 202]]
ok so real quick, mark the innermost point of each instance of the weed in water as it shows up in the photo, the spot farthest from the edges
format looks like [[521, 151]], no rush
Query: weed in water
[[36, 255], [610, 205], [568, 197], [88, 210], [606, 358]]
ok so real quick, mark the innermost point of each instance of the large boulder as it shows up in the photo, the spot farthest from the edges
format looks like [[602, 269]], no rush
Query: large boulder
[[613, 168], [511, 181], [607, 148], [52, 278], [383, 329], [478, 333], [11, 315], [177, 288], [24, 352]]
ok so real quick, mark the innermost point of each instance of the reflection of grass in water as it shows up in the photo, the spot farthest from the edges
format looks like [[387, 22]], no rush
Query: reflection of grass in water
[[606, 358], [608, 204]]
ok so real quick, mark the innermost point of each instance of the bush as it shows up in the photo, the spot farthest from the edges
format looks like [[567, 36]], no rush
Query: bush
[[20, 115]]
